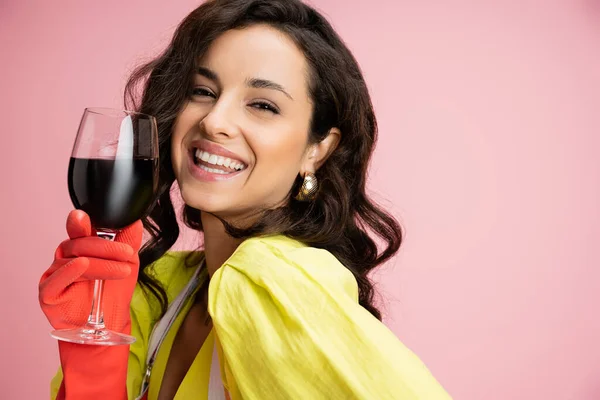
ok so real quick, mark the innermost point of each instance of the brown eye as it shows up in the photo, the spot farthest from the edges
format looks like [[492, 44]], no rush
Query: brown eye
[[264, 106], [203, 92]]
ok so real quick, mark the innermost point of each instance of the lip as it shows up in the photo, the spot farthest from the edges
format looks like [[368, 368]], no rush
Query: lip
[[206, 176], [215, 149]]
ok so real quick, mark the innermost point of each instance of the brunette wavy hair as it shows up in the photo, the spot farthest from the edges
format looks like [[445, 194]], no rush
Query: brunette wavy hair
[[342, 219]]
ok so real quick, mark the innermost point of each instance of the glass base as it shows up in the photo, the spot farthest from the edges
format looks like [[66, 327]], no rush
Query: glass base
[[97, 337]]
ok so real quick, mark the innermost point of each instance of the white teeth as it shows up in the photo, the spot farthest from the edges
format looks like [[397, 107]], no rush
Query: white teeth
[[214, 170], [218, 160]]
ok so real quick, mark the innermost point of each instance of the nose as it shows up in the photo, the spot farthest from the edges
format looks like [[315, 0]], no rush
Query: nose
[[222, 119]]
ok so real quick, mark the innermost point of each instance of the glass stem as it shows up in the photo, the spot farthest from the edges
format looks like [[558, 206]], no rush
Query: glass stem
[[96, 319]]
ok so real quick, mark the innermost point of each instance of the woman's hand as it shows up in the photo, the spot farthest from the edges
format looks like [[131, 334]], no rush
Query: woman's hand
[[66, 288]]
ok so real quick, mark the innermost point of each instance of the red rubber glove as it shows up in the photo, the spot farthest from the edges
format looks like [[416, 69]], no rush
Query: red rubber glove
[[65, 292]]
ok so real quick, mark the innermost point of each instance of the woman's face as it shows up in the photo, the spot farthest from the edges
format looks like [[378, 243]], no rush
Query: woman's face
[[241, 139]]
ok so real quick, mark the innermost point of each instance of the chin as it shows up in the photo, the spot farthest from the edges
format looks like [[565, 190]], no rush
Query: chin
[[202, 201], [219, 205]]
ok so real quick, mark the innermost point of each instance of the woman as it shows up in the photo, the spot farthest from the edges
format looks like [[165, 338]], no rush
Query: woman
[[266, 125]]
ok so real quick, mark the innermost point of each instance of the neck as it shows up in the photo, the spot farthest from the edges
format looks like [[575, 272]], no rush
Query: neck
[[218, 245]]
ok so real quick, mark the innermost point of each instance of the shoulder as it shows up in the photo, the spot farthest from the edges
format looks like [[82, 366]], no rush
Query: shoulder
[[285, 262]]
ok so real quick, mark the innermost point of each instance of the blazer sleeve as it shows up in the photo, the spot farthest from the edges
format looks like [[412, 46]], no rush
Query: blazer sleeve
[[289, 326]]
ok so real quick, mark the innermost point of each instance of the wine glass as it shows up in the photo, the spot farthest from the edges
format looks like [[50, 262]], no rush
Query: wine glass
[[113, 177]]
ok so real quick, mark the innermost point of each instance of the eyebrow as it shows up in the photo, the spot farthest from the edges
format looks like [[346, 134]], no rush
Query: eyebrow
[[267, 84], [253, 83], [207, 73]]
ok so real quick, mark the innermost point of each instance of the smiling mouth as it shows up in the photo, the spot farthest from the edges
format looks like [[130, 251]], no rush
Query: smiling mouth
[[216, 164]]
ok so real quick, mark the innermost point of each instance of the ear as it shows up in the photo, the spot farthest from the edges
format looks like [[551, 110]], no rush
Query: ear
[[316, 154]]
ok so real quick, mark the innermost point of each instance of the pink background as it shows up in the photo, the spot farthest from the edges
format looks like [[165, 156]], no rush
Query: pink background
[[490, 132]]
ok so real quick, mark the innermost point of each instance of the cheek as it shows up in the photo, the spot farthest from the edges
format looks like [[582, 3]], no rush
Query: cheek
[[183, 124], [278, 156]]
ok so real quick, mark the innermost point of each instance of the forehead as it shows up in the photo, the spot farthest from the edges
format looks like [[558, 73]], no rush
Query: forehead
[[258, 51]]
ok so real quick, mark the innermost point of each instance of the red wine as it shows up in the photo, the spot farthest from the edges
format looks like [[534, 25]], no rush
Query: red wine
[[113, 192]]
